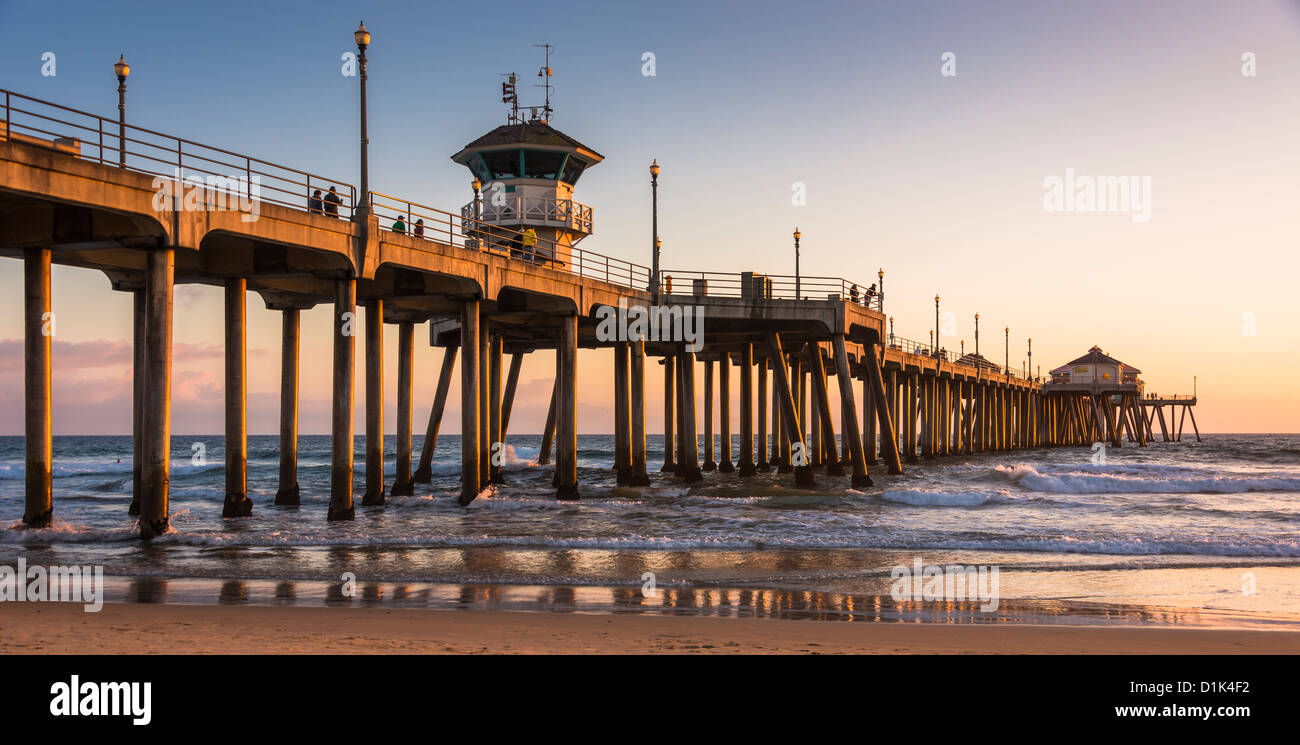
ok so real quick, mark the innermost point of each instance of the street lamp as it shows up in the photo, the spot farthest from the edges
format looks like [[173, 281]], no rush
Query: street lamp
[[1006, 362], [881, 295], [122, 69], [936, 324], [797, 236], [362, 37], [1031, 356], [477, 186], [977, 336], [654, 225], [891, 331]]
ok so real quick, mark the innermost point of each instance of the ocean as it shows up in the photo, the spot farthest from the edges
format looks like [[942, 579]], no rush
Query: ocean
[[1197, 533]]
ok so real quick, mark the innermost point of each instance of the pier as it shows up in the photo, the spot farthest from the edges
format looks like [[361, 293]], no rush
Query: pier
[[151, 211]]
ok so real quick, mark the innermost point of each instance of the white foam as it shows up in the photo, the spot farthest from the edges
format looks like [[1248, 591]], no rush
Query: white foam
[[923, 498]]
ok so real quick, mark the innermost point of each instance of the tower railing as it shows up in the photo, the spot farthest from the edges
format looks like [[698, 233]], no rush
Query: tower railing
[[567, 213]]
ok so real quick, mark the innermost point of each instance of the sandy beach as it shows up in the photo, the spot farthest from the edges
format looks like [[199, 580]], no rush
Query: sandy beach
[[32, 628]]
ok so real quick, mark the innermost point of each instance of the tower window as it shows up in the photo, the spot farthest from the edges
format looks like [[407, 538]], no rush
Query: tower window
[[544, 164], [502, 163], [572, 170]]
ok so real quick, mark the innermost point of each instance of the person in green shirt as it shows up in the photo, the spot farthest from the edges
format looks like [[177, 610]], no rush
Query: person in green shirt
[[399, 226]]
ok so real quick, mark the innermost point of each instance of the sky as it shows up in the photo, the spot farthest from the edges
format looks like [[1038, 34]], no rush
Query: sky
[[937, 178]]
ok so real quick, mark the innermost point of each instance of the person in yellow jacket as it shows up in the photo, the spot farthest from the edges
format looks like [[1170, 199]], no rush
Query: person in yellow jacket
[[530, 244]]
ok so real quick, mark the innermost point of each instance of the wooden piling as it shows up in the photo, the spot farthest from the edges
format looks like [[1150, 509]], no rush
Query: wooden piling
[[374, 494], [288, 493], [470, 472], [38, 324], [802, 471], [237, 503], [403, 486], [424, 473]]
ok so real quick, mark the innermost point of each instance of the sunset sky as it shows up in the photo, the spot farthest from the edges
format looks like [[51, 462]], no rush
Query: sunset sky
[[937, 179]]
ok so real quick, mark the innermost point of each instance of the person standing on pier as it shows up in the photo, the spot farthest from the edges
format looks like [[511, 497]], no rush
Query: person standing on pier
[[332, 202], [315, 205], [530, 245], [399, 226], [419, 228]]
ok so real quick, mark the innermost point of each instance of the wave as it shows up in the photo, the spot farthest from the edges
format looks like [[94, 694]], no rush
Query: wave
[[1159, 480], [1239, 546]]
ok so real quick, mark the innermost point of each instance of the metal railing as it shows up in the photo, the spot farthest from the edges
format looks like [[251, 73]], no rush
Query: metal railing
[[433, 224], [190, 164], [518, 210], [990, 369], [768, 287]]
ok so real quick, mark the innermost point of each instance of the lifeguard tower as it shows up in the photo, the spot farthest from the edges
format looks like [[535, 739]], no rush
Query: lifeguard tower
[[527, 170]]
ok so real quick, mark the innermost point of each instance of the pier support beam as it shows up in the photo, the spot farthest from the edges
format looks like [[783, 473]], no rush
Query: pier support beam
[[38, 325], [622, 416], [670, 415], [690, 465], [548, 430], [868, 416], [138, 378], [156, 473], [747, 467], [803, 474], [403, 486], [484, 403], [709, 464], [638, 476], [287, 495], [496, 443], [822, 415], [761, 445], [512, 385], [850, 432], [885, 420], [237, 502], [424, 473], [566, 448], [345, 312], [470, 474], [374, 494], [725, 464]]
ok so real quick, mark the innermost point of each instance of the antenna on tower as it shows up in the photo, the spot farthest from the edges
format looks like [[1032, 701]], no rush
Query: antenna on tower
[[510, 96], [545, 74]]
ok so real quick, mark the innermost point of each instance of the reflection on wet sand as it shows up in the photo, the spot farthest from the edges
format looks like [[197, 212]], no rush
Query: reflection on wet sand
[[778, 603]]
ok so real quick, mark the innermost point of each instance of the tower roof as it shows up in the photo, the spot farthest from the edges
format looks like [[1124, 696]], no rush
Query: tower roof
[[1095, 357], [534, 133]]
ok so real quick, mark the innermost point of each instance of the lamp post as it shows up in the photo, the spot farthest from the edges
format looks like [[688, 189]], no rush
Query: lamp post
[[362, 37], [654, 225], [797, 236], [891, 331], [880, 274], [122, 69], [977, 336], [477, 186], [1006, 362], [936, 325], [1031, 357]]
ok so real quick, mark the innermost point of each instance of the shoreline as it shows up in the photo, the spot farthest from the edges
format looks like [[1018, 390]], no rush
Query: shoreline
[[135, 628]]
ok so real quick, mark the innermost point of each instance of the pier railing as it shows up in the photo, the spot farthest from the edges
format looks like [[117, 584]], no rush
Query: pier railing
[[768, 287], [466, 232], [191, 164]]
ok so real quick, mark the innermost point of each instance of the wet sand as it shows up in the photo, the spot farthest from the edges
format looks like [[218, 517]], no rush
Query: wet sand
[[126, 628]]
